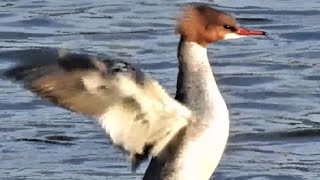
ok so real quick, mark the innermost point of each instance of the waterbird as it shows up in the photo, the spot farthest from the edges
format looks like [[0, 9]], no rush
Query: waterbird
[[185, 136]]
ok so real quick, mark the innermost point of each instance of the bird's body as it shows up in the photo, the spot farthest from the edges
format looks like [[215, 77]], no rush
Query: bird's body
[[185, 136], [207, 137]]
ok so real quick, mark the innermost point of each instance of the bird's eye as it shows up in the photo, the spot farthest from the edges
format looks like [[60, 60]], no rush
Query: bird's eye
[[230, 28], [227, 27]]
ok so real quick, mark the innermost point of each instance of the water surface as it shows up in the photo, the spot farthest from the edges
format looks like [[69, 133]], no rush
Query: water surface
[[271, 85]]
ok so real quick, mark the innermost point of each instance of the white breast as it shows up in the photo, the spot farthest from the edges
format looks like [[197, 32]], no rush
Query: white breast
[[202, 153]]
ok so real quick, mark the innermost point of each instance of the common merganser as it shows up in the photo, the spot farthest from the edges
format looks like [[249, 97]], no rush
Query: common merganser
[[185, 137]]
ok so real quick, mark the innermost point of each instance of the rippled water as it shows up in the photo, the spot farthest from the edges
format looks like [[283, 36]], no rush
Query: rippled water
[[271, 85]]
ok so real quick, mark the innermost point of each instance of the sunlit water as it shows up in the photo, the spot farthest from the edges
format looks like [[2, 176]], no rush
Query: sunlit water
[[271, 85]]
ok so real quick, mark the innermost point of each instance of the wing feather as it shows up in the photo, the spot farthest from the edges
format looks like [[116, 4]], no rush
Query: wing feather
[[134, 109]]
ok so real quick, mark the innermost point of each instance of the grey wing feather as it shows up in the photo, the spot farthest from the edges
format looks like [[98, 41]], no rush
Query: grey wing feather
[[134, 109]]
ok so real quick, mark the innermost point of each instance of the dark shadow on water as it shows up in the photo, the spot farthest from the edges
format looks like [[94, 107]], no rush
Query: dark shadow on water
[[249, 21], [265, 106], [246, 80], [220, 176], [58, 139], [61, 138], [276, 135], [301, 36]]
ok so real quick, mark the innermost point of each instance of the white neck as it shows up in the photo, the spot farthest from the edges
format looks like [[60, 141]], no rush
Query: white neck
[[199, 86], [207, 138]]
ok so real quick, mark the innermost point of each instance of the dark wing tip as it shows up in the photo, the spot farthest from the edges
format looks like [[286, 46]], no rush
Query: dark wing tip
[[27, 73], [33, 63], [15, 73], [29, 63]]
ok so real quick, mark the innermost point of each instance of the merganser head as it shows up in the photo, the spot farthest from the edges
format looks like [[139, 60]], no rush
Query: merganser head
[[204, 25]]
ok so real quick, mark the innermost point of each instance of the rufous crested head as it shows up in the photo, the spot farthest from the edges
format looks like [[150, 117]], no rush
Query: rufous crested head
[[203, 25]]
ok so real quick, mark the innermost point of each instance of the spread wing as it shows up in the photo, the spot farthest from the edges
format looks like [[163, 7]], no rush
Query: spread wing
[[134, 110]]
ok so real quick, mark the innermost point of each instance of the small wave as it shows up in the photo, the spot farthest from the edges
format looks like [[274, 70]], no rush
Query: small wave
[[276, 135], [57, 139]]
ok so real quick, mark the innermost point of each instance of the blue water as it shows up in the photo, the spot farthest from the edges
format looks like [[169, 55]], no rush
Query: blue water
[[271, 85]]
